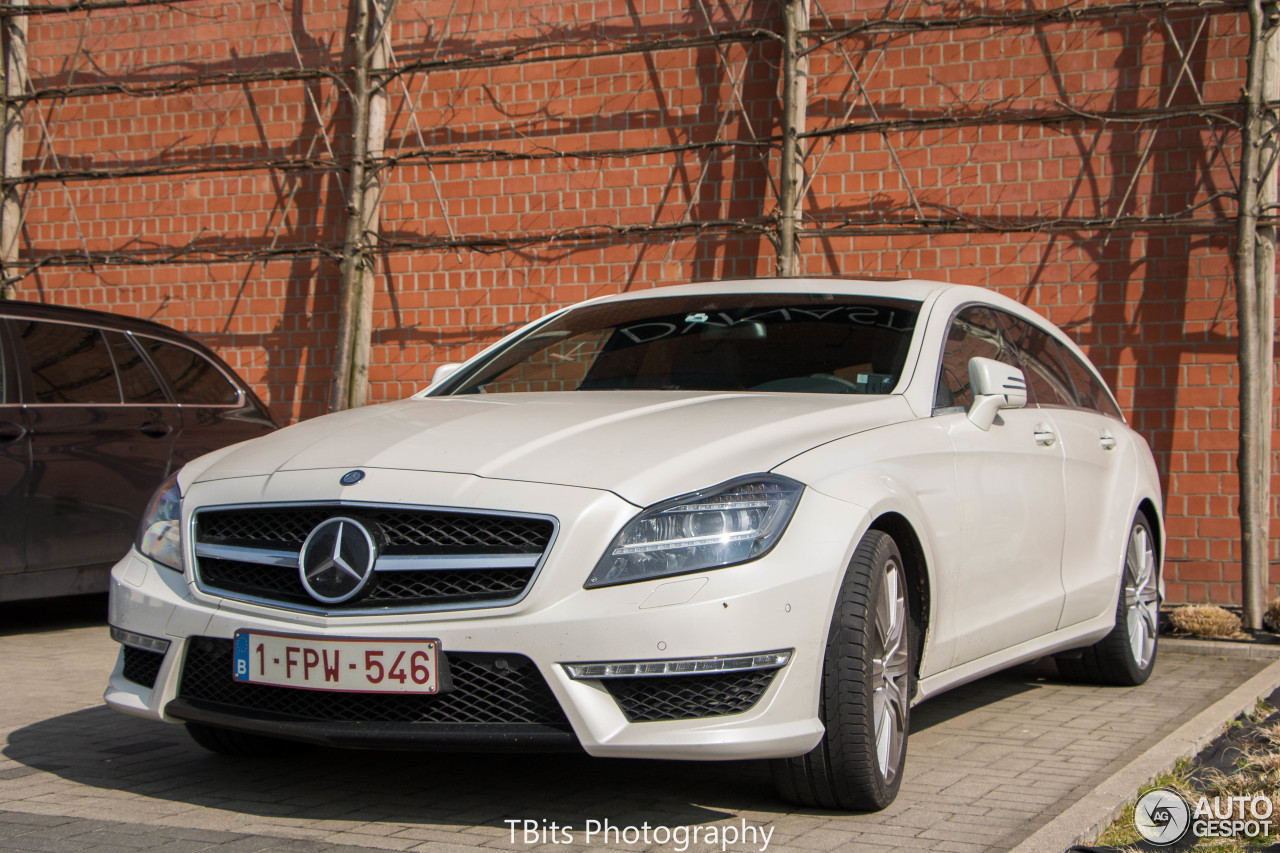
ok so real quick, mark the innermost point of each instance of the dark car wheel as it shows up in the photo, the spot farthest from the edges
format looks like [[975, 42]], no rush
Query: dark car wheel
[[1126, 656], [866, 691]]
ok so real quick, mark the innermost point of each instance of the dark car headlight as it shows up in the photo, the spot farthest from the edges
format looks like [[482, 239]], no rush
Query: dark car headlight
[[160, 533], [723, 526]]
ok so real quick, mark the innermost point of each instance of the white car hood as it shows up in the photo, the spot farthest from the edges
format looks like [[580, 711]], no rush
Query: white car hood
[[643, 446]]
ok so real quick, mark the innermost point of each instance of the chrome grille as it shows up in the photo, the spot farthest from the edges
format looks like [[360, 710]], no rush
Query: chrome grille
[[408, 530], [429, 558]]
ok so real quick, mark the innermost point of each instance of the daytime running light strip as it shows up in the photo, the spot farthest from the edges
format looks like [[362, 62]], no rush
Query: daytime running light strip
[[682, 666]]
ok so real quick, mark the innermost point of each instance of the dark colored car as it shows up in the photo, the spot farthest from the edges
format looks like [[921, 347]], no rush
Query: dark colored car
[[96, 410]]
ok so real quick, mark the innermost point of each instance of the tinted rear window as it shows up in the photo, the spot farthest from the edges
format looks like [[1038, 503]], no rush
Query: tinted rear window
[[194, 379], [137, 382], [1091, 393]]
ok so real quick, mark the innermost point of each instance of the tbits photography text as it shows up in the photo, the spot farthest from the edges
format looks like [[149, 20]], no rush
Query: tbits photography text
[[605, 833]]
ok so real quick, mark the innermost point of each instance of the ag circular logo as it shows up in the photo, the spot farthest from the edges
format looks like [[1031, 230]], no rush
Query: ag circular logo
[[337, 559], [1162, 816], [351, 477]]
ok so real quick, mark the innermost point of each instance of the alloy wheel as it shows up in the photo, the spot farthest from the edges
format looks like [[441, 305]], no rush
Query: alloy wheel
[[889, 672], [1141, 597]]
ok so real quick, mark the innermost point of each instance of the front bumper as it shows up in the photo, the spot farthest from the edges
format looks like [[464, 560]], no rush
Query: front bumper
[[782, 601]]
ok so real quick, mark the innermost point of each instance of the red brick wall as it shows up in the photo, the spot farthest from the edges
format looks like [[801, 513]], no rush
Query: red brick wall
[[1000, 179]]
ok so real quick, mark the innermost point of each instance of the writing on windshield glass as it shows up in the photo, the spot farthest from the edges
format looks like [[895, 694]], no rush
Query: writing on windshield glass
[[700, 322]]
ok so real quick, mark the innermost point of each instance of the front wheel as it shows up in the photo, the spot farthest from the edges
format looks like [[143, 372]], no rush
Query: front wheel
[[1126, 656], [865, 700]]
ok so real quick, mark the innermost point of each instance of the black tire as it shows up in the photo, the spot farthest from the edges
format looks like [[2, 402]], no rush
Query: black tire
[[851, 768], [240, 744], [1126, 656]]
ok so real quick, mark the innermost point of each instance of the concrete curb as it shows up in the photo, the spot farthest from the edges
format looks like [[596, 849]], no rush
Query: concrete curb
[[1087, 817], [1223, 648]]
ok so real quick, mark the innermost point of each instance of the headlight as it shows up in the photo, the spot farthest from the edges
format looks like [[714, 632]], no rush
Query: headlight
[[160, 534], [729, 524]]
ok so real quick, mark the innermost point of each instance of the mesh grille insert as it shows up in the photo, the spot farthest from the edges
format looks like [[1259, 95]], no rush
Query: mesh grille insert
[[488, 689], [407, 531], [142, 666], [687, 697]]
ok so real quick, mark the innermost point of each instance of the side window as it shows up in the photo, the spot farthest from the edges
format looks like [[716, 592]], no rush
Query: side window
[[561, 366], [194, 379], [1091, 392], [1041, 362], [137, 382], [974, 333], [69, 364]]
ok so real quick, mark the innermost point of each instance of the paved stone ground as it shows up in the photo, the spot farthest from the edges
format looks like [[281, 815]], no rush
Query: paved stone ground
[[988, 764]]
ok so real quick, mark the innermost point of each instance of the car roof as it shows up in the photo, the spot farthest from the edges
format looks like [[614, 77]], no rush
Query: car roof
[[916, 290], [910, 289], [61, 313]]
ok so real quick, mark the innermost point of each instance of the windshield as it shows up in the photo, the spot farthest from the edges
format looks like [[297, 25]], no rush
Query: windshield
[[803, 343]]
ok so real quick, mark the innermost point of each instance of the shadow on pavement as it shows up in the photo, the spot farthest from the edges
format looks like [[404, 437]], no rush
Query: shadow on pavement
[[52, 614], [100, 748], [987, 691]]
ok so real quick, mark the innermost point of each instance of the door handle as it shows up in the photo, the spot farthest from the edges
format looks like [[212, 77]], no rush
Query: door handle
[[9, 431], [1045, 436], [155, 429], [1108, 441]]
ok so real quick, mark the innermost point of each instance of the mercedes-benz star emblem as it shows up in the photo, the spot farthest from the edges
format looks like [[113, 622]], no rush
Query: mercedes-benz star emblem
[[351, 477], [337, 559]]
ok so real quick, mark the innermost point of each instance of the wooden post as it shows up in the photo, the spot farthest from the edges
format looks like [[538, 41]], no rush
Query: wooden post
[[1269, 203], [350, 387], [15, 84], [795, 102], [1255, 301]]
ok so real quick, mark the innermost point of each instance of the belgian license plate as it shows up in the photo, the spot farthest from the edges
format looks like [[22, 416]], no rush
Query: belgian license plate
[[340, 664]]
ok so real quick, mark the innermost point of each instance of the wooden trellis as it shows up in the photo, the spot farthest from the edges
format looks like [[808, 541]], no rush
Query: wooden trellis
[[792, 157]]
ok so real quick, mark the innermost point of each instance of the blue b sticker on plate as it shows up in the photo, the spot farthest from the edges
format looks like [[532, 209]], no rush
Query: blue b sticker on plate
[[240, 657]]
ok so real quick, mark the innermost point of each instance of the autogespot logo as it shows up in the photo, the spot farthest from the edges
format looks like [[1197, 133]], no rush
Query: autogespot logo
[[1162, 816]]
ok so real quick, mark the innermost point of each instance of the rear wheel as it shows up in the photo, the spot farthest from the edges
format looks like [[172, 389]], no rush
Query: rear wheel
[[866, 690], [1126, 656], [240, 744]]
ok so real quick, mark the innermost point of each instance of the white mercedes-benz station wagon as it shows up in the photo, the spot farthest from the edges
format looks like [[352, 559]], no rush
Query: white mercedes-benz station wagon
[[748, 519]]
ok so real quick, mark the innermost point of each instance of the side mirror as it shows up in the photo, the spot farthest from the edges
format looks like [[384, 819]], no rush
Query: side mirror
[[996, 386], [444, 371]]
